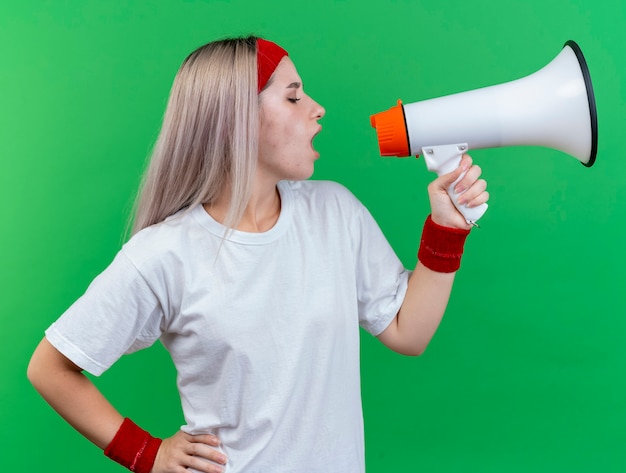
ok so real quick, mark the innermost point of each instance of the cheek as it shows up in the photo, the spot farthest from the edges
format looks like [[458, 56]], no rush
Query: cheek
[[271, 126], [270, 139], [281, 134]]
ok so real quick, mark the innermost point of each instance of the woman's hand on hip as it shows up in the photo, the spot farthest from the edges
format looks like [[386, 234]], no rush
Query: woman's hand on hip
[[182, 451]]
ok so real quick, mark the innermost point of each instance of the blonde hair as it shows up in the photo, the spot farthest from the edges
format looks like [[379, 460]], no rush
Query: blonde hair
[[208, 141]]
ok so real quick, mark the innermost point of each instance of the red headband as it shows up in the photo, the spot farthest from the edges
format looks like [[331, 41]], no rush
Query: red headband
[[268, 55]]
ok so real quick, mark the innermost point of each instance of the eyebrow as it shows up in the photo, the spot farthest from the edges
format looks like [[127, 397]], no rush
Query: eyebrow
[[294, 85]]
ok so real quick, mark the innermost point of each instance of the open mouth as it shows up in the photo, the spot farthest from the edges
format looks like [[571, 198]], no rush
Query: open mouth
[[314, 136]]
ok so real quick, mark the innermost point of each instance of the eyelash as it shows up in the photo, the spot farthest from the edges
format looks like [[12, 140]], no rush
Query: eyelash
[[292, 100]]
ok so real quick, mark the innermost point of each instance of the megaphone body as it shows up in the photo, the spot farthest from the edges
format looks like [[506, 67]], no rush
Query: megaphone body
[[554, 108]]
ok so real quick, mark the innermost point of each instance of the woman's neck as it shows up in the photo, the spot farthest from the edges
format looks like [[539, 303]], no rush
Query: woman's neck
[[260, 215]]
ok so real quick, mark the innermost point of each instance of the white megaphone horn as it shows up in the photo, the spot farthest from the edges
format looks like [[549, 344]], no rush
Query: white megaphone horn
[[554, 107]]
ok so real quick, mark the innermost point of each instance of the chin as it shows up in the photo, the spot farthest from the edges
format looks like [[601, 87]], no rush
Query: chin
[[310, 172], [302, 175]]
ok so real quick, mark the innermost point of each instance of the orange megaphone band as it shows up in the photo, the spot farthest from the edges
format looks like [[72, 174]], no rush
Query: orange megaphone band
[[393, 137]]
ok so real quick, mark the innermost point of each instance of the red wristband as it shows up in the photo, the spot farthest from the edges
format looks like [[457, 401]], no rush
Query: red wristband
[[441, 248], [133, 448]]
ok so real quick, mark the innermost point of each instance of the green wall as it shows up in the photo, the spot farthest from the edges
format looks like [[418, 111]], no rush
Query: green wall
[[526, 373]]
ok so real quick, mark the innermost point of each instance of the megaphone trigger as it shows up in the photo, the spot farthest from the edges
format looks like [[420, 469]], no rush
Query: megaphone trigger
[[444, 159]]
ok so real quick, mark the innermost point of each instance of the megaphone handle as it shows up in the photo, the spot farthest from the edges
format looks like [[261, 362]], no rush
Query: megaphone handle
[[444, 159]]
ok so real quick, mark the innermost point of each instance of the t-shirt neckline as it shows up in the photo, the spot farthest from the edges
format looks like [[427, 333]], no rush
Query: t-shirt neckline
[[201, 216]]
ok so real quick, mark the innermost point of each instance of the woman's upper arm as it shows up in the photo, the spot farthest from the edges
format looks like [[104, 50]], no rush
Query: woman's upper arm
[[47, 360]]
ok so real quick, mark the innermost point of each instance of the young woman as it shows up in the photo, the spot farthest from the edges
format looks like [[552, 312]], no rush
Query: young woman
[[255, 279]]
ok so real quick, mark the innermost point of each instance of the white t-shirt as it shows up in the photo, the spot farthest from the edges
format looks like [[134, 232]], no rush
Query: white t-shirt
[[263, 328]]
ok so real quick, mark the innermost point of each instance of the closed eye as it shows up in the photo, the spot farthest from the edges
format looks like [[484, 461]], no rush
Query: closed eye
[[293, 100]]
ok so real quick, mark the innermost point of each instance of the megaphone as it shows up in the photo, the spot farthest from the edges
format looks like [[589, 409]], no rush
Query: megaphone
[[553, 107]]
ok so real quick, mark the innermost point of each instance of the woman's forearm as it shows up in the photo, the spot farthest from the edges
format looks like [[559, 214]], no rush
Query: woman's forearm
[[417, 320]]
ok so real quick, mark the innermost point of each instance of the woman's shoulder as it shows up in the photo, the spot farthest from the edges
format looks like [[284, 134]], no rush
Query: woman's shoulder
[[158, 241], [322, 190], [325, 201]]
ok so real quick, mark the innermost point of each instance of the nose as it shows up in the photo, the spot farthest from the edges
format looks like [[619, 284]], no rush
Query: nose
[[318, 110]]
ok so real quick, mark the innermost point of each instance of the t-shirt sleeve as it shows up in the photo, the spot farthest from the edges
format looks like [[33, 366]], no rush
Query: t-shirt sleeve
[[118, 314], [381, 277]]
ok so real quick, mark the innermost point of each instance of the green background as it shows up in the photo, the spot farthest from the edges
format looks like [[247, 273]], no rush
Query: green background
[[526, 373]]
